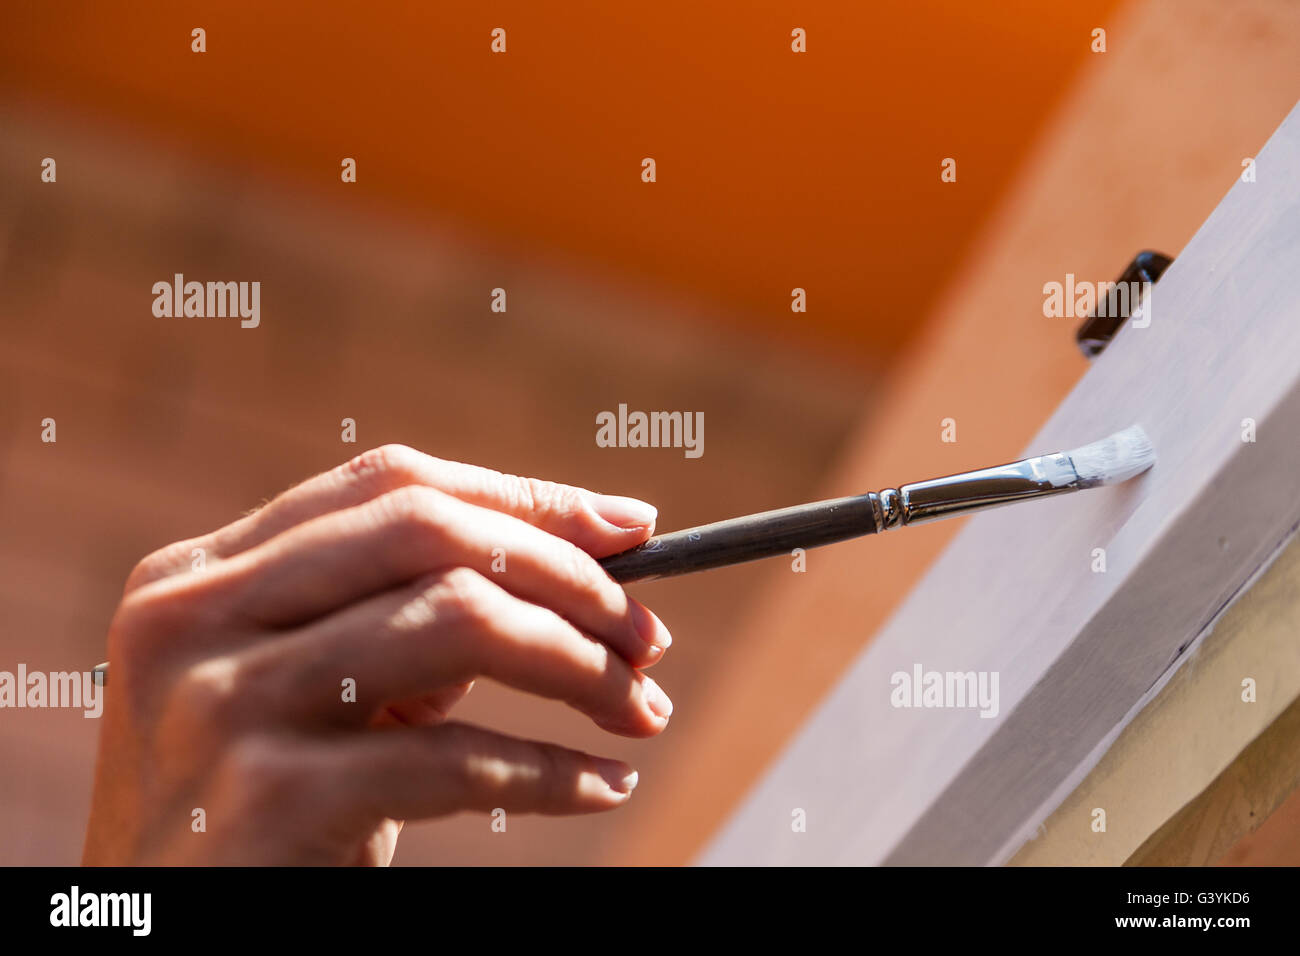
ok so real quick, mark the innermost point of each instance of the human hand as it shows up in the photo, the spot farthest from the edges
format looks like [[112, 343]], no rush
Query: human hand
[[410, 576]]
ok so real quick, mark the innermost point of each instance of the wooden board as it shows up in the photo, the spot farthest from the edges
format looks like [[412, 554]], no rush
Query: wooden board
[[1075, 651]]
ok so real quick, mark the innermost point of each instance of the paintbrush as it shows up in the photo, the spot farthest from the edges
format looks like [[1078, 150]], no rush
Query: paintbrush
[[737, 540], [1107, 462]]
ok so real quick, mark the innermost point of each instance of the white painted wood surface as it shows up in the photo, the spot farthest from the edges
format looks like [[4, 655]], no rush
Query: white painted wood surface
[[1075, 651]]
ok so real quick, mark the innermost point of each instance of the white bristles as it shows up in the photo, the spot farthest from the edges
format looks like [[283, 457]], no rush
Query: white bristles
[[1114, 459]]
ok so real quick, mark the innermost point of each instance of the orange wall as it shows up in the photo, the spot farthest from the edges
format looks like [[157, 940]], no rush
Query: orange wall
[[774, 170]]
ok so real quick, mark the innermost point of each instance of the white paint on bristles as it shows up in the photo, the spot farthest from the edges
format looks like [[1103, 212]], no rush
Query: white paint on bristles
[[1117, 458]]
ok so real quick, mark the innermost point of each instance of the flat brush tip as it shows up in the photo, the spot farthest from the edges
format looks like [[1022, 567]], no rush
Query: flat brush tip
[[1112, 460]]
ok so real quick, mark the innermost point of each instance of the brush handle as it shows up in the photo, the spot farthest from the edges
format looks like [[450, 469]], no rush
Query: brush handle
[[749, 538]]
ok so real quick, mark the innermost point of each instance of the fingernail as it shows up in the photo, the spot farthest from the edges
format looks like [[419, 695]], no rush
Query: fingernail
[[656, 699], [617, 776], [649, 627], [625, 513]]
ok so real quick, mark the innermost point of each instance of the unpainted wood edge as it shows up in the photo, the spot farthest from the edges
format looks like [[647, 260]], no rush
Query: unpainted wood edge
[[1141, 782], [1235, 804]]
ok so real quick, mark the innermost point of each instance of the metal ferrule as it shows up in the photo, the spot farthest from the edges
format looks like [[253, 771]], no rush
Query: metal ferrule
[[975, 491]]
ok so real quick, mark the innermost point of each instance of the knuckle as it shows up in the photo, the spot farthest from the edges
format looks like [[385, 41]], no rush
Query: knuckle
[[484, 778], [460, 756], [487, 774], [129, 646], [464, 595], [519, 494], [457, 605], [260, 770], [381, 462], [145, 570], [158, 564], [413, 514], [148, 614], [143, 641], [555, 777], [548, 500], [409, 504], [568, 500], [205, 696]]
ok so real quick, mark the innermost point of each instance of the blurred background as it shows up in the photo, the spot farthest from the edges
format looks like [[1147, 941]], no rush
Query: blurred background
[[775, 170]]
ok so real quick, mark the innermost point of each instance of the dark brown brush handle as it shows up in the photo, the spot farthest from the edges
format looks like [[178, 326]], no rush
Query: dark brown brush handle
[[746, 539]]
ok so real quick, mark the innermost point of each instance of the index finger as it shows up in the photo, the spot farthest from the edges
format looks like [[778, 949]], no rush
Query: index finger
[[598, 524]]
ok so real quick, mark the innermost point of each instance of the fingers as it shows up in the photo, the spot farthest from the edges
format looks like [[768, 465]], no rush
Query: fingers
[[430, 708], [329, 562], [442, 632], [598, 524], [428, 772]]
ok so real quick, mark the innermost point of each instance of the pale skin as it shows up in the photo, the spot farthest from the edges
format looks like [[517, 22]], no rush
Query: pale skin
[[227, 688]]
